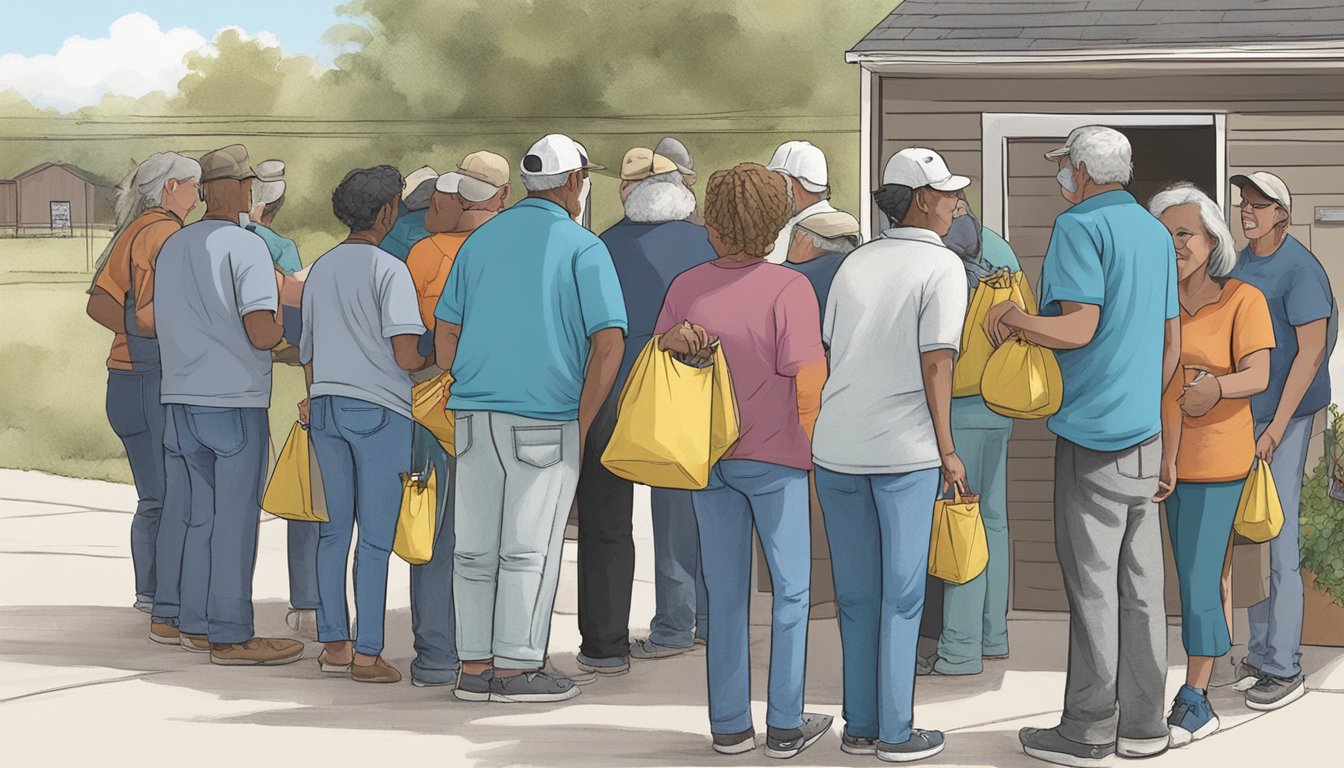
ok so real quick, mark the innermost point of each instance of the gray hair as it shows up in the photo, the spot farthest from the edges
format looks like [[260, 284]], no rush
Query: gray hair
[[842, 244], [142, 189], [1107, 154], [660, 198], [541, 182], [1224, 255]]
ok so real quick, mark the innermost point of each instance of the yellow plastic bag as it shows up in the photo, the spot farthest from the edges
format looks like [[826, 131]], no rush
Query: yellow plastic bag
[[1022, 380], [975, 345], [674, 422], [414, 541], [1259, 511], [958, 549], [429, 403], [289, 492]]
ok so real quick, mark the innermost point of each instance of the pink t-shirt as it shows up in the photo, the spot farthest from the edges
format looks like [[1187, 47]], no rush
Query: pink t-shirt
[[768, 323]]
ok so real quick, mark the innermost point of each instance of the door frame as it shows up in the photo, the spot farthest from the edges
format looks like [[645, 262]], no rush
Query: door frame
[[997, 128]]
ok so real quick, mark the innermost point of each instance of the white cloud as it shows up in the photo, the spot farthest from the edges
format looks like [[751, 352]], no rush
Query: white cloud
[[136, 58]]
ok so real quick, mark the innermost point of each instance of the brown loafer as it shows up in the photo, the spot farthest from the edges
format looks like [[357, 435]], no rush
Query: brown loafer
[[164, 633], [257, 652], [377, 672], [193, 643]]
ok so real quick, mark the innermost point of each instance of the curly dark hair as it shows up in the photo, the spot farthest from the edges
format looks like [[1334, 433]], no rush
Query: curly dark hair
[[748, 206], [363, 193]]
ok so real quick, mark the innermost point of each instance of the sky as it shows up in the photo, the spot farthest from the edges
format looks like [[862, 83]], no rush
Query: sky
[[71, 59]]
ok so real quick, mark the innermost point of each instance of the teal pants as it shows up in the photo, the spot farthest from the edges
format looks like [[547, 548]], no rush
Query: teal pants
[[975, 614], [1199, 519]]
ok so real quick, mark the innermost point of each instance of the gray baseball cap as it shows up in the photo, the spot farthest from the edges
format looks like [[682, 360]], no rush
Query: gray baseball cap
[[676, 152]]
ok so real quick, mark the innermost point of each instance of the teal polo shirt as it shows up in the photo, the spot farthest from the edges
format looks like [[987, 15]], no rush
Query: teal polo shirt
[[1109, 251], [528, 288]]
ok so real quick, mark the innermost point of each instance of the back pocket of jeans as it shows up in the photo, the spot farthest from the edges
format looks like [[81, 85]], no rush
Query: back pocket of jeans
[[219, 429], [1141, 462], [361, 419], [461, 434], [540, 447], [126, 406]]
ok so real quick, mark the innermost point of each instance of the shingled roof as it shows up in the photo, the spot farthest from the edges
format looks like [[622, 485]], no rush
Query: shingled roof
[[1033, 26]]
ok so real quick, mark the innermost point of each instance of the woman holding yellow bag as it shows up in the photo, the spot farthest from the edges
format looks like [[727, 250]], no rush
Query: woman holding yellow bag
[[767, 321], [1208, 434]]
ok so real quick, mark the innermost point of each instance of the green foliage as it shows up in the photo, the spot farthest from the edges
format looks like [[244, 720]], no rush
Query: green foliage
[[1323, 519]]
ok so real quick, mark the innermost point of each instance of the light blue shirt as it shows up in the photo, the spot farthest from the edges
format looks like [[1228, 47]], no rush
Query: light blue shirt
[[528, 289], [407, 230], [970, 412], [1110, 252], [284, 252]]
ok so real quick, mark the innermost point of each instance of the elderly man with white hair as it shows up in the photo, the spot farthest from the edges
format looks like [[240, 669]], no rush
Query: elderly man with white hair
[[803, 164], [532, 326], [1107, 252]]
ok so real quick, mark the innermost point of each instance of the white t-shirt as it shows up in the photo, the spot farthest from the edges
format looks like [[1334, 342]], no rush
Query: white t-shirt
[[893, 299], [781, 251], [207, 277], [357, 297]]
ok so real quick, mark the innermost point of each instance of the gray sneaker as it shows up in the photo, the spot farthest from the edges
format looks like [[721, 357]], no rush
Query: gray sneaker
[[609, 667], [1246, 677], [783, 743], [921, 744], [532, 687], [645, 648], [474, 687], [1046, 744], [735, 743], [856, 745], [1273, 692]]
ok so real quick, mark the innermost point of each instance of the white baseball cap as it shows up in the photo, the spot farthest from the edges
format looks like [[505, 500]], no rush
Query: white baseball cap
[[803, 161], [554, 154], [416, 178], [919, 167], [1270, 186], [270, 183]]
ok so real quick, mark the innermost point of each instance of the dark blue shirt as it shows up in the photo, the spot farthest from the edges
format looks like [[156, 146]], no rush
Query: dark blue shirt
[[648, 257], [820, 272], [408, 230], [1298, 292]]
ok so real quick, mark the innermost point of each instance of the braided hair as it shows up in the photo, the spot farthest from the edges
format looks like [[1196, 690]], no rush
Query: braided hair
[[747, 205]]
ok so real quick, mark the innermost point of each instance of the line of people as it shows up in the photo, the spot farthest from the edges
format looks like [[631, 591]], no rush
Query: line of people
[[842, 359]]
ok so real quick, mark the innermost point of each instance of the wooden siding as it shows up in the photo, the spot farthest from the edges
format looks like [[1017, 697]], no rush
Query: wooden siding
[[9, 192], [52, 184], [1289, 123]]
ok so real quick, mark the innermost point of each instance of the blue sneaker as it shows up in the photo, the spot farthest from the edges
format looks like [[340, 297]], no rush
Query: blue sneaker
[[1192, 717]]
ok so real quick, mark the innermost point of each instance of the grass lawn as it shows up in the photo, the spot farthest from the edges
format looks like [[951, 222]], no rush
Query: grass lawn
[[53, 372]]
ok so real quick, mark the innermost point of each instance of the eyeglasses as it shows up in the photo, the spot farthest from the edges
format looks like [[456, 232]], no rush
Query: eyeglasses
[[1257, 206]]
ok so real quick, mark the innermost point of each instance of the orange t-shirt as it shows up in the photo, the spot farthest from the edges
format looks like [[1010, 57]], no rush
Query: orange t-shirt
[[1220, 445], [430, 261], [132, 259]]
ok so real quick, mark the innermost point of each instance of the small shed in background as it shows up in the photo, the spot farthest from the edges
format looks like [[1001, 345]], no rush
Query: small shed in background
[[54, 199]]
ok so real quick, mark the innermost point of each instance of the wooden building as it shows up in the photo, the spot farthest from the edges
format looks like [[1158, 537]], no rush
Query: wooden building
[[1205, 89], [54, 198]]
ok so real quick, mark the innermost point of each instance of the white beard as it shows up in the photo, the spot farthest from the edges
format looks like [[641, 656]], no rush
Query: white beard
[[655, 202]]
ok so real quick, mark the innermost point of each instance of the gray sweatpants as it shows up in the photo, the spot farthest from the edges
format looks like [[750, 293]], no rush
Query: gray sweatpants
[[1109, 542], [516, 479]]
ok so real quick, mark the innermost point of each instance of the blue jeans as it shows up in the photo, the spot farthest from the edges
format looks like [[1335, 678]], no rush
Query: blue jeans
[[225, 453], [362, 449], [681, 606], [301, 545], [1276, 623], [879, 527], [776, 499], [432, 611], [1199, 519], [172, 535], [137, 417]]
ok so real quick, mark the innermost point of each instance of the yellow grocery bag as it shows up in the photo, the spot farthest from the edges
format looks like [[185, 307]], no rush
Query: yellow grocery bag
[[1021, 379], [674, 421], [958, 549], [1259, 511], [429, 406], [289, 492], [975, 345], [414, 541]]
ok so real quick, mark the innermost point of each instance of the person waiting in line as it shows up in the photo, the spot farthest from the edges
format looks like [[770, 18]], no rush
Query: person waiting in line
[[767, 320], [650, 246], [463, 200], [893, 323], [409, 228], [215, 304], [803, 166], [360, 331], [1305, 323], [1208, 434], [963, 624], [819, 246], [532, 326], [152, 202]]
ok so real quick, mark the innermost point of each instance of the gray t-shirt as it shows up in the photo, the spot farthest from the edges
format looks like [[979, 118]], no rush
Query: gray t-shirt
[[357, 297], [207, 277]]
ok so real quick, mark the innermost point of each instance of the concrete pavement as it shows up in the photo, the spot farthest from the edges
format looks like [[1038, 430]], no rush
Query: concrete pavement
[[79, 681]]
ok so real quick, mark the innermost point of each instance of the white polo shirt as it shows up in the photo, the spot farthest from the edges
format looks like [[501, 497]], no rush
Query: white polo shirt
[[781, 251], [893, 299]]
